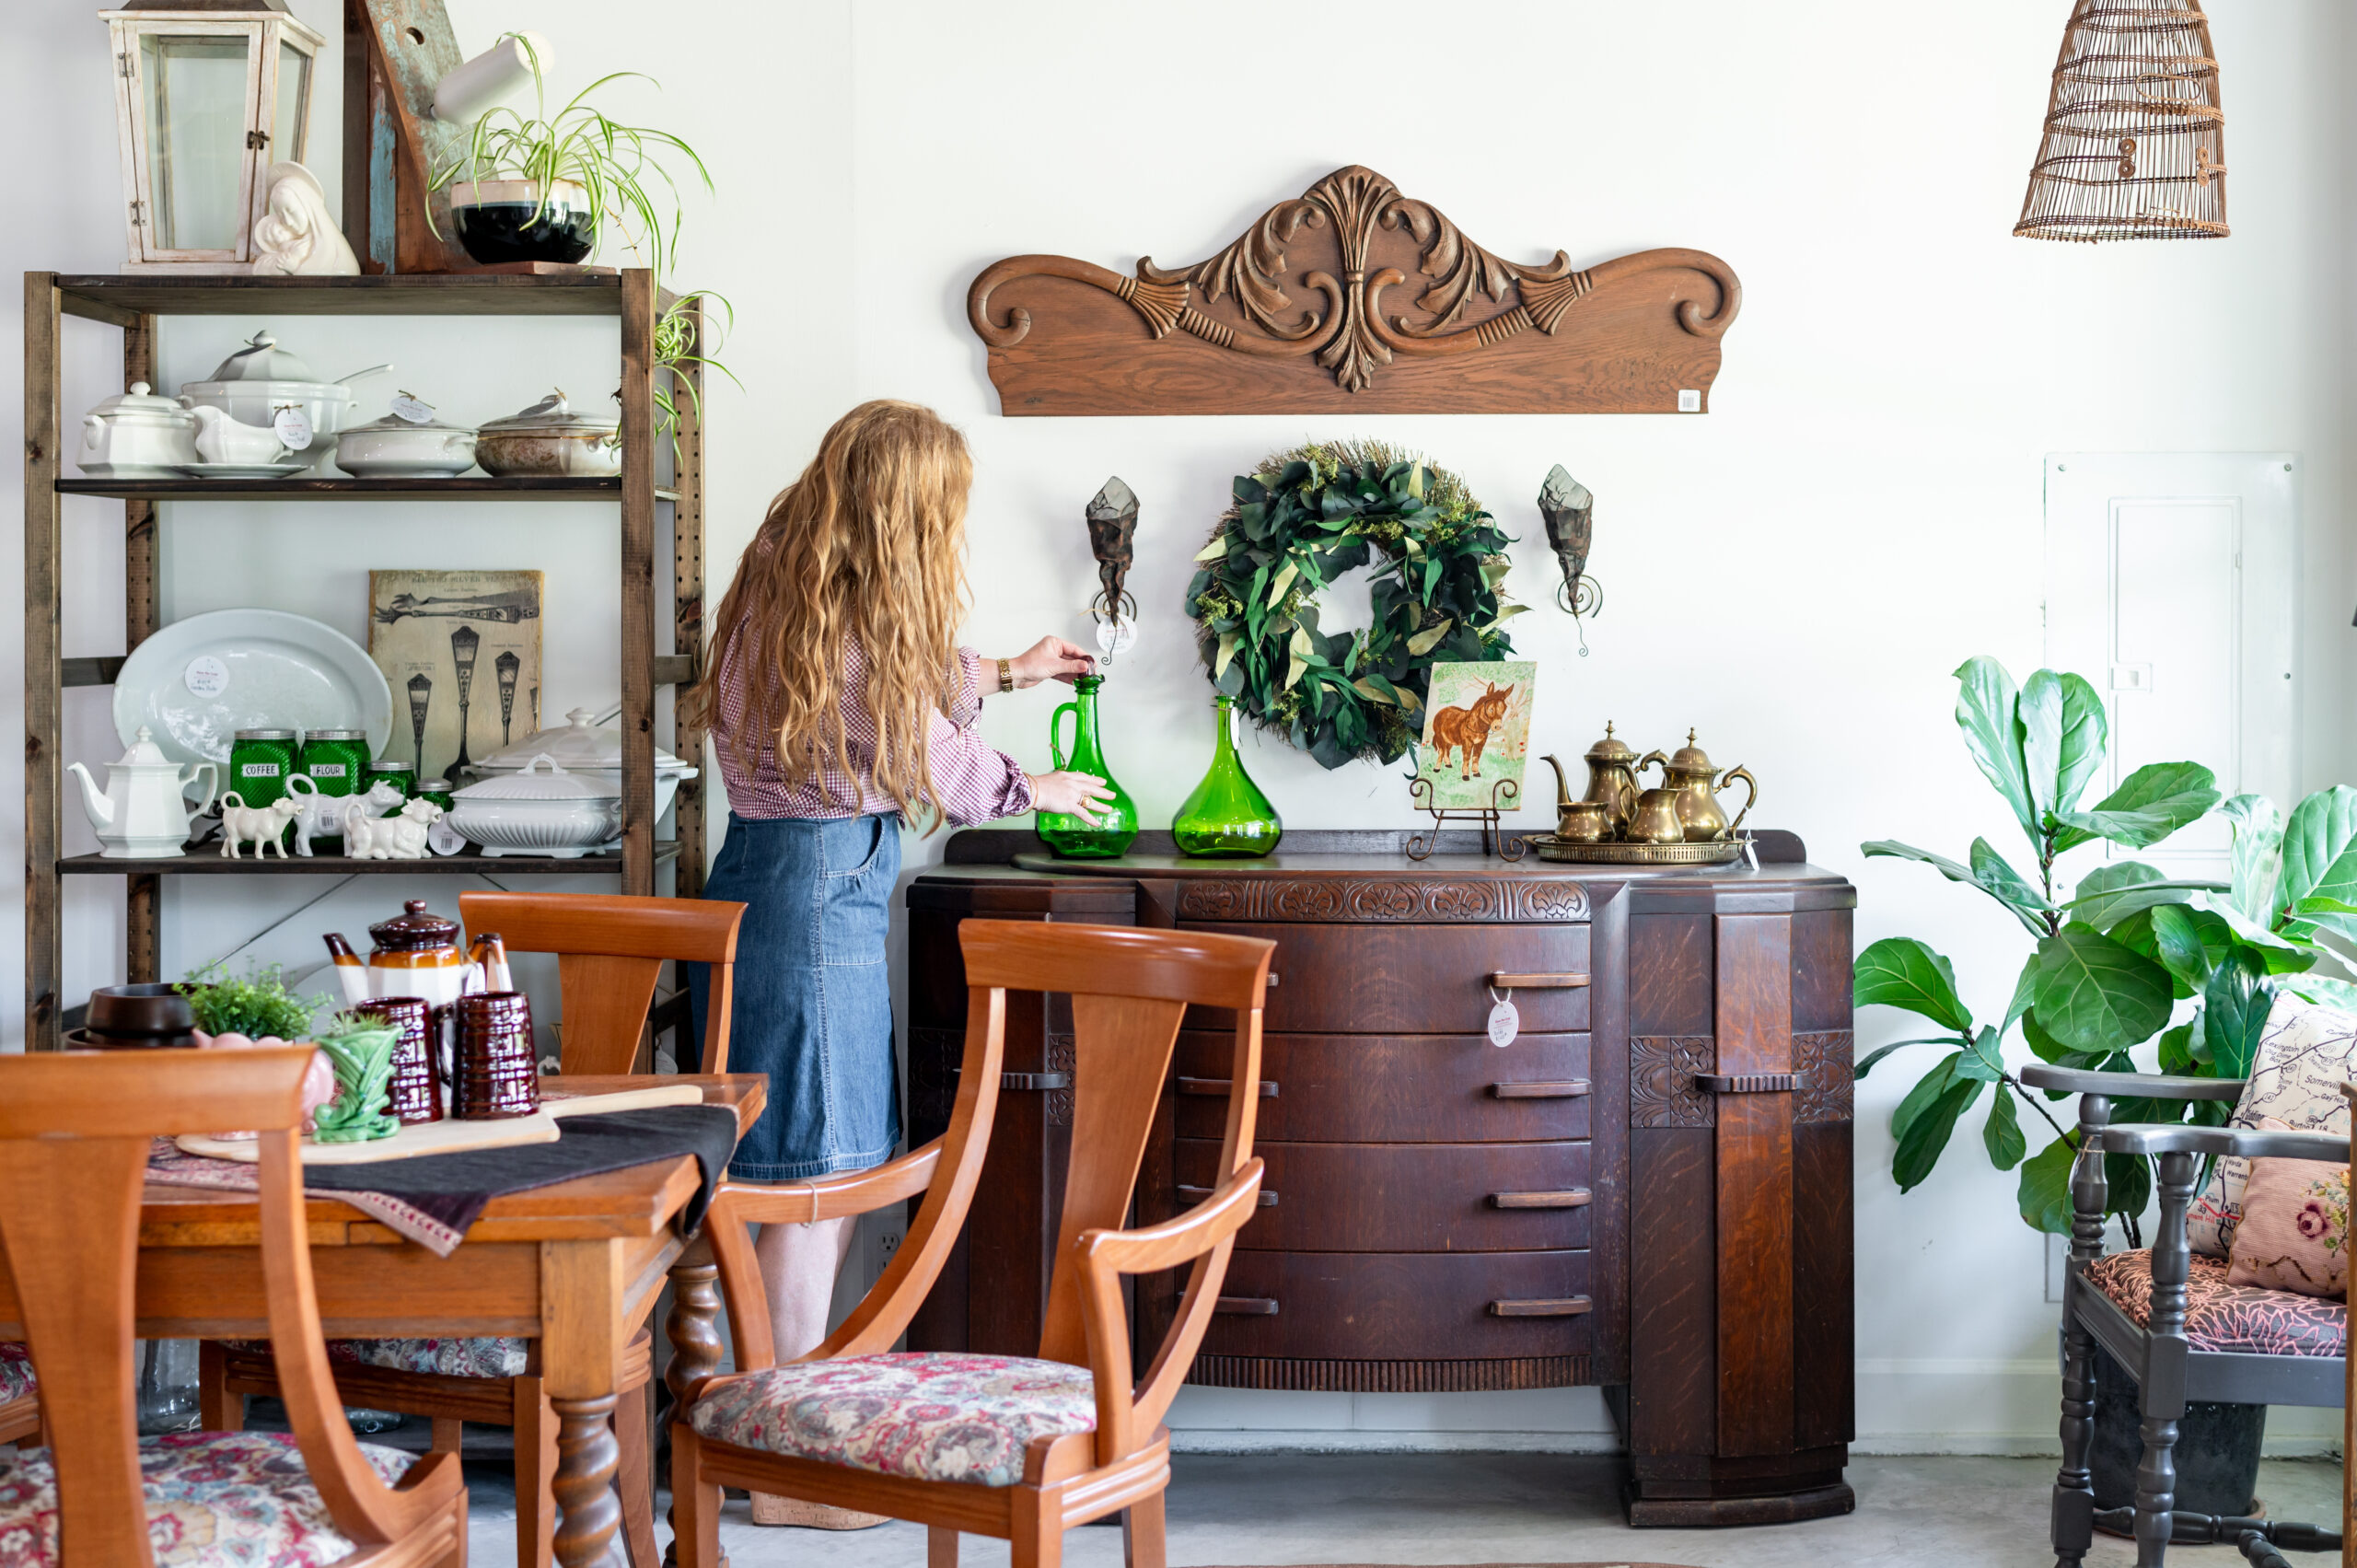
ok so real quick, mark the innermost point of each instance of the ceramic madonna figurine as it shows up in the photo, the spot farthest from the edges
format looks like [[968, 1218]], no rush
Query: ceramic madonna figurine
[[298, 236]]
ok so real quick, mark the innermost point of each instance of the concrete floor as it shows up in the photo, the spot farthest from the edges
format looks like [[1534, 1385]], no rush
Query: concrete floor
[[1481, 1508]]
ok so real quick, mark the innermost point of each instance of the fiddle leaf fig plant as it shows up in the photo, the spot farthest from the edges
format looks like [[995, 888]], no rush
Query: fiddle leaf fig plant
[[2114, 960]]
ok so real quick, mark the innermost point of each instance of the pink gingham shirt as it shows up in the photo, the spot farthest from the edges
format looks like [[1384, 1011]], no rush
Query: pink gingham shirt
[[972, 781]]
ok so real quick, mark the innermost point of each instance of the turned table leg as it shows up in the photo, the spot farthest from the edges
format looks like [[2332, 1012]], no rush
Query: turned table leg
[[693, 1329], [581, 1303]]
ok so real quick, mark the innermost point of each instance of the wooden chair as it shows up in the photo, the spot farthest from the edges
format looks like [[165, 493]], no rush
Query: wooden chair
[[1028, 1446], [610, 952], [20, 1407], [2179, 1343], [74, 1133]]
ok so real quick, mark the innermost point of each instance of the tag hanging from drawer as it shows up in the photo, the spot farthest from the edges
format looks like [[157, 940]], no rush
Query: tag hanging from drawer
[[1505, 1022]]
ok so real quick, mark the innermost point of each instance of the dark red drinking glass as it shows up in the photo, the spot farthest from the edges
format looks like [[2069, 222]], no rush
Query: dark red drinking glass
[[494, 1072]]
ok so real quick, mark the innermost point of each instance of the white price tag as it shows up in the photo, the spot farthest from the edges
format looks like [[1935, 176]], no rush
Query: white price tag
[[1116, 636], [411, 409], [206, 677], [293, 427], [1505, 1023], [443, 839]]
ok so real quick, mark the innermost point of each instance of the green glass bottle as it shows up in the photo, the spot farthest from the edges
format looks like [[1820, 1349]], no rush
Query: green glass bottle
[[1227, 816], [1117, 822]]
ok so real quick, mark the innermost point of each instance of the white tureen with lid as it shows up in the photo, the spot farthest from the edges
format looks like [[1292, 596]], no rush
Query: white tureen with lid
[[540, 809], [586, 749], [137, 435], [254, 383]]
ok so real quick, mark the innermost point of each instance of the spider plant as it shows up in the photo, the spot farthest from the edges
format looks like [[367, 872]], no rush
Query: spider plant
[[622, 167], [680, 333]]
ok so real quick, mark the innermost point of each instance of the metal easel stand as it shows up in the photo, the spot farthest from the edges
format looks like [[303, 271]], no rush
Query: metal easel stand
[[1495, 840]]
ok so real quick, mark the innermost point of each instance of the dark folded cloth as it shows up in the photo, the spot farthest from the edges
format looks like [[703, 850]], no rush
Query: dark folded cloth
[[452, 1190]]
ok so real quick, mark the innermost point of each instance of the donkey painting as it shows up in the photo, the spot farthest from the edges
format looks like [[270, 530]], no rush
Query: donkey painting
[[1466, 730]]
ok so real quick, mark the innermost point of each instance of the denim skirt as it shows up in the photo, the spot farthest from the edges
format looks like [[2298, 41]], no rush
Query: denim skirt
[[813, 998]]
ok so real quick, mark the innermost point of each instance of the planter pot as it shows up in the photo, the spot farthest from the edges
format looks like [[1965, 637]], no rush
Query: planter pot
[[2217, 1448], [503, 220]]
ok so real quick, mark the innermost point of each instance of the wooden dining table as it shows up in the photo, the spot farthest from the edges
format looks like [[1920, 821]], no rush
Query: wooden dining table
[[576, 1265]]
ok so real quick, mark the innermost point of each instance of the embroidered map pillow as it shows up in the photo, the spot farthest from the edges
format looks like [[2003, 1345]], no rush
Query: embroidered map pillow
[[2303, 1060]]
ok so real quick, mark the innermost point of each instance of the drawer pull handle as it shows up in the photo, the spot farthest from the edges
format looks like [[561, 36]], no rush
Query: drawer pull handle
[[1569, 1089], [1245, 1306], [1504, 980], [1019, 1083], [1219, 1087], [1746, 1083], [1558, 1307], [1569, 1198], [1196, 1194]]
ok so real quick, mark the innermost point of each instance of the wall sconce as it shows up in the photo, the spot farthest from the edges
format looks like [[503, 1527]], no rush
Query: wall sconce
[[207, 97], [1112, 531], [1569, 511]]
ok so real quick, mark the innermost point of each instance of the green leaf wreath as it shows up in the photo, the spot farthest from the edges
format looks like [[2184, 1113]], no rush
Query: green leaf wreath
[[1301, 519]]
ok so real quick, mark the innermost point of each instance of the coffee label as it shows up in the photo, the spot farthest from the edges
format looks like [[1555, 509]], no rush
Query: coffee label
[[258, 771]]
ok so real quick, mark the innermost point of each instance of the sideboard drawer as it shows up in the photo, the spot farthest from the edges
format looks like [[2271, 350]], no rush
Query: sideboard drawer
[[1421, 1305], [1406, 1196], [1410, 979], [1455, 1088]]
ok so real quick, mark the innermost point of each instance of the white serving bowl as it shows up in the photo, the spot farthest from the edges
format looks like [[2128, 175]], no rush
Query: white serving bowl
[[254, 383], [587, 750], [394, 447], [540, 810]]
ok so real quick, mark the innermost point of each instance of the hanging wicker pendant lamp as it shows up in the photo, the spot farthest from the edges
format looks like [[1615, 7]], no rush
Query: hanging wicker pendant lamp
[[2134, 143]]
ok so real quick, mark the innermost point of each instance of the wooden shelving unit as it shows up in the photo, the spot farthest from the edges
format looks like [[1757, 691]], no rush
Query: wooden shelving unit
[[133, 304]]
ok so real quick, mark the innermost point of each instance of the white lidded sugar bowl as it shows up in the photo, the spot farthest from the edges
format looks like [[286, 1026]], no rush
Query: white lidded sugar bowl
[[137, 435], [143, 814]]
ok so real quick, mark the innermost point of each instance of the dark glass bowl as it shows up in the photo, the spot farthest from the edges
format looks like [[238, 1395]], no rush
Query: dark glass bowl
[[521, 231]]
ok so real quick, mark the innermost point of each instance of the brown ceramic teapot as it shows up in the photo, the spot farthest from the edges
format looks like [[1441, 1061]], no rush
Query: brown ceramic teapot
[[1690, 772]]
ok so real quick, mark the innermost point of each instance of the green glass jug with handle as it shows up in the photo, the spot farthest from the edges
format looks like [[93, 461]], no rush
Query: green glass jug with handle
[[1227, 817], [1117, 823]]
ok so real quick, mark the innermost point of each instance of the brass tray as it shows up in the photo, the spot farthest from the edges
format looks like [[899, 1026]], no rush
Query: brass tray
[[1715, 851]]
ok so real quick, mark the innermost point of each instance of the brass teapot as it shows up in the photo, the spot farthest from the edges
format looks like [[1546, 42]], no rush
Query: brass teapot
[[1613, 792], [1690, 772]]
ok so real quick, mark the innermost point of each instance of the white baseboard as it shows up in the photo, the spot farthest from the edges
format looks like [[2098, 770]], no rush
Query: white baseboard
[[1904, 1405]]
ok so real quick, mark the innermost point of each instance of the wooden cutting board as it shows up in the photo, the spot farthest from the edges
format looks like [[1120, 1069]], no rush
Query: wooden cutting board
[[451, 1137]]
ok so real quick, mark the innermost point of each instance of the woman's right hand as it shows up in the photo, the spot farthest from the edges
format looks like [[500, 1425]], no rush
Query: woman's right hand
[[1072, 794]]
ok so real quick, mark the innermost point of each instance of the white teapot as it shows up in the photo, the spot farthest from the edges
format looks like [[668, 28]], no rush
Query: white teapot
[[143, 812], [222, 439]]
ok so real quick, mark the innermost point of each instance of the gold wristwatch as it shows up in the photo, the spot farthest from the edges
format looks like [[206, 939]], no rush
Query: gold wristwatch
[[1005, 675]]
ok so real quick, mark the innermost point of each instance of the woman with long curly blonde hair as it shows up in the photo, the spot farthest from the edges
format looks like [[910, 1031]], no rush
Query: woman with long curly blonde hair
[[841, 708]]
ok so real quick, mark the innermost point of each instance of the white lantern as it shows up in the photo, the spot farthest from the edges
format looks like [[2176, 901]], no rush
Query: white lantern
[[207, 97]]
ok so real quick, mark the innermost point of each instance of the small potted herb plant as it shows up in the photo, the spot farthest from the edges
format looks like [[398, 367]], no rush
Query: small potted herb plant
[[256, 1009]]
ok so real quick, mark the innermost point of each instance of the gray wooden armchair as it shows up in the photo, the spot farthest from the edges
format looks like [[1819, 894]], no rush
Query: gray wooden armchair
[[2180, 1339]]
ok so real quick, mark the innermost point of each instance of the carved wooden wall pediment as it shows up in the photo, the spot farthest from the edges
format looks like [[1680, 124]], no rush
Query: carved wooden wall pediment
[[1354, 297]]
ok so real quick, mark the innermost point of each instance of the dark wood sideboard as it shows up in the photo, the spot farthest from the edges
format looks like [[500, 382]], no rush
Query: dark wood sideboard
[[1648, 1190]]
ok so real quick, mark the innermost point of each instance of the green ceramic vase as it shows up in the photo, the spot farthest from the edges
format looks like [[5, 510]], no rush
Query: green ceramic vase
[[1227, 816], [1117, 823]]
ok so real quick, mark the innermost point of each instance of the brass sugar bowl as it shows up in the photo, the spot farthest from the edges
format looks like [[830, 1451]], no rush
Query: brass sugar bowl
[[1688, 771]]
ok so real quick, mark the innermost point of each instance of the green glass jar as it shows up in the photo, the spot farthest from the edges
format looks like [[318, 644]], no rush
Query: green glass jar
[[400, 775], [259, 763], [1116, 820], [435, 790], [1227, 816], [335, 760]]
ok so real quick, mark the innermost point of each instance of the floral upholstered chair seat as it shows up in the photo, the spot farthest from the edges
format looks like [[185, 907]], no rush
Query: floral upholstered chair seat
[[15, 1373], [221, 1499], [931, 1416], [2222, 1316], [487, 1357]]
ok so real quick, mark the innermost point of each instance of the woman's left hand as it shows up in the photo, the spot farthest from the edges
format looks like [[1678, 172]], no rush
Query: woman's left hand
[[1050, 658]]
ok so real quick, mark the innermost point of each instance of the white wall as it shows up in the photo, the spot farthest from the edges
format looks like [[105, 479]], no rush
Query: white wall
[[1794, 575]]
